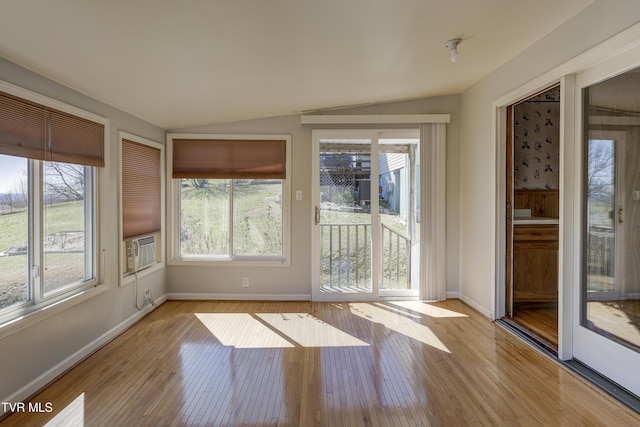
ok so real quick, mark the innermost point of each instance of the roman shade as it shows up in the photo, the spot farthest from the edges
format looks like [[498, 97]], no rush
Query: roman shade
[[229, 158], [141, 189], [34, 131]]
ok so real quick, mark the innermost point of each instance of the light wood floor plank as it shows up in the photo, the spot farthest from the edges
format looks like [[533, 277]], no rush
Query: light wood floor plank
[[202, 363]]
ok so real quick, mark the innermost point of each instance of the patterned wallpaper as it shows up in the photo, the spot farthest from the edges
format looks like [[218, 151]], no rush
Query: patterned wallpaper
[[536, 151]]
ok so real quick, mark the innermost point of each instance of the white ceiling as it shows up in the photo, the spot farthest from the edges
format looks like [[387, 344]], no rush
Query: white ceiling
[[193, 62]]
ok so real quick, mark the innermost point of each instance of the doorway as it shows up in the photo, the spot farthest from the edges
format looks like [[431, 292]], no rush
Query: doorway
[[367, 205], [532, 213]]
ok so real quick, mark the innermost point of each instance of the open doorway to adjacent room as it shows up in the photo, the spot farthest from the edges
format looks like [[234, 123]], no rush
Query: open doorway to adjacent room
[[532, 216]]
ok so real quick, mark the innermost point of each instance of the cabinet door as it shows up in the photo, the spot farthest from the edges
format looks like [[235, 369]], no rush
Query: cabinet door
[[535, 271], [535, 262]]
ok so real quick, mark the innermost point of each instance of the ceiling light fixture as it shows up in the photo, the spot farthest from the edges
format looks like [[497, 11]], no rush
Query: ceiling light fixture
[[452, 45]]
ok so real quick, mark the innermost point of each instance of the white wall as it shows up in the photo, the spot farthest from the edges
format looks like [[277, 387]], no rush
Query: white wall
[[28, 355], [294, 281], [595, 24]]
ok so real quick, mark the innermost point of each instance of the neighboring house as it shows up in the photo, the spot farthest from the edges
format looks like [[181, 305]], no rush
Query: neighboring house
[[394, 181]]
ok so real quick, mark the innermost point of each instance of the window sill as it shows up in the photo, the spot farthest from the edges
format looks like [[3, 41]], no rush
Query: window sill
[[28, 316], [129, 278], [230, 262]]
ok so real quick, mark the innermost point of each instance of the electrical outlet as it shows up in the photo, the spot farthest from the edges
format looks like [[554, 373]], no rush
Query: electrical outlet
[[245, 282], [148, 298]]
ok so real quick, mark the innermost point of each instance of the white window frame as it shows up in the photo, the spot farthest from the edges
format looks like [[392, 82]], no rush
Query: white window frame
[[39, 307], [173, 200], [125, 277]]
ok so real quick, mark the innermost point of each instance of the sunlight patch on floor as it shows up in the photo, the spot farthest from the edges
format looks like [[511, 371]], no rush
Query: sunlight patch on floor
[[398, 310], [309, 331], [241, 330], [275, 330], [71, 415], [427, 309], [398, 323]]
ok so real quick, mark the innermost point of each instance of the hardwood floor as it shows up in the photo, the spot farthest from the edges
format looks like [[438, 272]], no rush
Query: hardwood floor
[[195, 363], [541, 318]]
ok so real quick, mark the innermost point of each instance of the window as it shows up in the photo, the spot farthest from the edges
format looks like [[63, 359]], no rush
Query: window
[[142, 199], [67, 232], [50, 165], [231, 198], [141, 187]]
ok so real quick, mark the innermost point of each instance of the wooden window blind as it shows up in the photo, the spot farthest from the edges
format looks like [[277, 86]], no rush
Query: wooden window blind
[[75, 140], [141, 187], [23, 130], [34, 131], [229, 158]]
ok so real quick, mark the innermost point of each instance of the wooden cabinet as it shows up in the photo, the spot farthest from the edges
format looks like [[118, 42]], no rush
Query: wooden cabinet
[[535, 262]]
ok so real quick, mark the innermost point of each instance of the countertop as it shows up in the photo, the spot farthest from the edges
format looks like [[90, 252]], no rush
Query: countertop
[[525, 220]]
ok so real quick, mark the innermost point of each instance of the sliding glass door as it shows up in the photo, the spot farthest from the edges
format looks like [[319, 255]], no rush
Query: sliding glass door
[[606, 328], [366, 203]]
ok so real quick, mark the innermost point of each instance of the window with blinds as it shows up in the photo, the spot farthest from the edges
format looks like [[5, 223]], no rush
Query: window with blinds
[[141, 189], [230, 199], [53, 183]]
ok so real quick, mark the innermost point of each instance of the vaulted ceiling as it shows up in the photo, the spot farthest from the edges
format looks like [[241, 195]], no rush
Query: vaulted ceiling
[[193, 62]]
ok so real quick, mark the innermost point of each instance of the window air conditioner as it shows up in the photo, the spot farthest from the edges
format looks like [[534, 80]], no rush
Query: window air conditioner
[[141, 253]]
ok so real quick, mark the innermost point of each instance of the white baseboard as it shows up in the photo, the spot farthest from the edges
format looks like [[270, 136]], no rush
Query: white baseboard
[[239, 297], [43, 380], [473, 304], [453, 295]]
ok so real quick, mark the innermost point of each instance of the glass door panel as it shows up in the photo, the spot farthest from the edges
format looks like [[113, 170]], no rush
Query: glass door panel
[[610, 300], [606, 336], [347, 189], [399, 207]]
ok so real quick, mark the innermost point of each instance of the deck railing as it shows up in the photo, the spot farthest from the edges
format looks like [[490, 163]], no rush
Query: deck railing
[[396, 258], [346, 256]]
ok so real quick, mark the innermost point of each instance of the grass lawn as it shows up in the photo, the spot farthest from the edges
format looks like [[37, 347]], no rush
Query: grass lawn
[[59, 268], [205, 224]]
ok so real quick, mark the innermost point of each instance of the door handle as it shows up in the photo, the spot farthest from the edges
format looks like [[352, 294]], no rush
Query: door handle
[[620, 214], [317, 215]]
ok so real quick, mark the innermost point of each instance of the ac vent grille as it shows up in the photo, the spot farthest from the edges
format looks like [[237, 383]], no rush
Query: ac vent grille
[[141, 253]]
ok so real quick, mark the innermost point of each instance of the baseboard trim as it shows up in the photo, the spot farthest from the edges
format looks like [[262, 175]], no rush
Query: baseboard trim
[[473, 304], [58, 370], [239, 297], [453, 295]]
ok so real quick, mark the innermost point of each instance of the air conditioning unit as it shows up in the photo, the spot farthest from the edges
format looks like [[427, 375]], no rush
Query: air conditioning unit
[[141, 253]]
